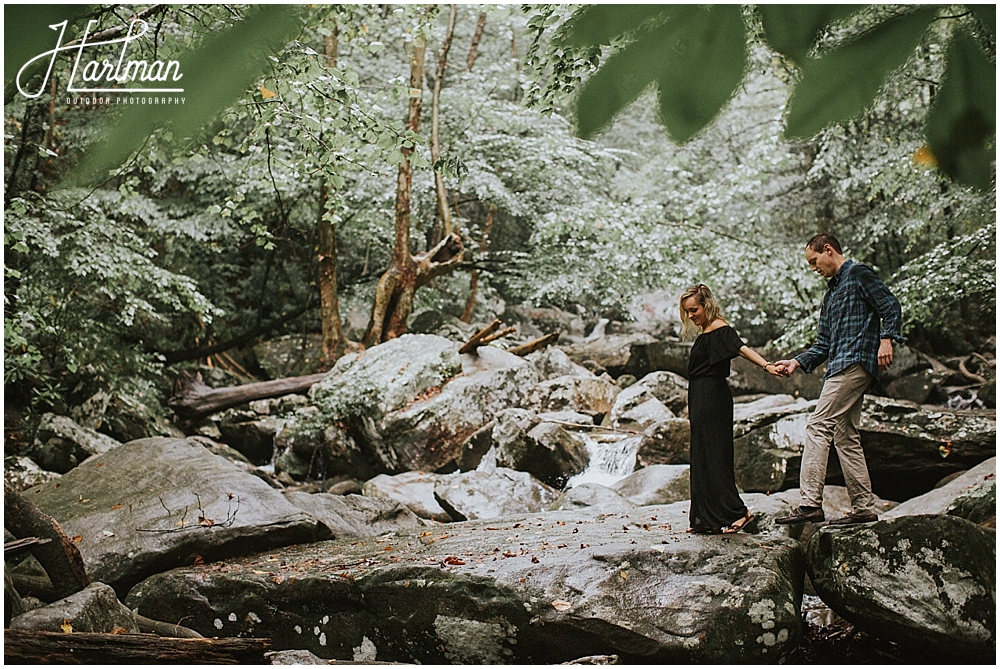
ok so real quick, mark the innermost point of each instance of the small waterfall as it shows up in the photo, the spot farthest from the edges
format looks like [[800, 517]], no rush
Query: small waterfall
[[269, 467], [612, 458]]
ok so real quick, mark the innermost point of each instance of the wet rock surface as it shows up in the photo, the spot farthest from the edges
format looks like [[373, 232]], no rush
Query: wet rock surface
[[926, 581], [157, 503], [531, 589]]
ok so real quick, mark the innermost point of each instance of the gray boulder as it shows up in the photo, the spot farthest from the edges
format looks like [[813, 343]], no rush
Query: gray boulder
[[669, 388], [915, 386], [552, 362], [153, 504], [928, 582], [669, 356], [60, 444], [22, 472], [665, 443], [342, 516], [971, 496], [250, 433], [600, 497], [412, 402], [546, 450], [314, 448], [94, 609], [494, 493], [612, 352], [912, 447], [656, 484], [528, 589], [575, 393], [414, 490]]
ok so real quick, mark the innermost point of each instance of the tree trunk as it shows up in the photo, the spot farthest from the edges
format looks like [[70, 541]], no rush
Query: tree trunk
[[442, 195], [396, 288], [333, 338], [474, 49], [484, 244], [193, 399], [23, 647], [59, 557]]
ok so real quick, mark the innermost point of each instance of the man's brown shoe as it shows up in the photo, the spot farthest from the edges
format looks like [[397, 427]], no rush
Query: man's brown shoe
[[803, 514], [855, 519]]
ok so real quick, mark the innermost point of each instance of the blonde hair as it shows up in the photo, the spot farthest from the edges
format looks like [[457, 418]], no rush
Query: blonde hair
[[705, 298]]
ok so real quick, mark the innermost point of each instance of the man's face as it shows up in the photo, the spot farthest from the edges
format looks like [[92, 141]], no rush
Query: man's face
[[823, 263]]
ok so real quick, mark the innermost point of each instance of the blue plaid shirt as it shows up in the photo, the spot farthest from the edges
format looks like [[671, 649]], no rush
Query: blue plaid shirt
[[858, 311]]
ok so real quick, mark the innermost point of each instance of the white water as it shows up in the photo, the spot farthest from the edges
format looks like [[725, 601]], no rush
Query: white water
[[612, 458]]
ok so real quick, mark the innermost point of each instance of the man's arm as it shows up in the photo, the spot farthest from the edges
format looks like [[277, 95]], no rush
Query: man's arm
[[890, 314], [813, 357]]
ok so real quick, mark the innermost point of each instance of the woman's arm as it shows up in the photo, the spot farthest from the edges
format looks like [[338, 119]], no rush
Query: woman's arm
[[756, 358]]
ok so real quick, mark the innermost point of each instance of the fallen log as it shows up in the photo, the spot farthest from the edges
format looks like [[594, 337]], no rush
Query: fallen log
[[534, 345], [477, 339], [24, 647], [59, 557], [192, 399]]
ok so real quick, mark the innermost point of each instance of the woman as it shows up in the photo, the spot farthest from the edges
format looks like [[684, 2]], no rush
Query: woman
[[716, 506]]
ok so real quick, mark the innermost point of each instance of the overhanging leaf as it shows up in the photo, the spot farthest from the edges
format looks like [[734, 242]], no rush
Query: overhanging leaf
[[987, 15], [963, 118], [706, 66], [843, 83], [792, 30], [599, 24], [215, 76], [622, 78]]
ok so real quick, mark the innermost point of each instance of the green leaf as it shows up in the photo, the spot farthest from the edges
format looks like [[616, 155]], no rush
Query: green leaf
[[707, 66], [843, 83], [963, 118], [697, 57], [599, 24], [791, 30], [987, 15], [215, 76]]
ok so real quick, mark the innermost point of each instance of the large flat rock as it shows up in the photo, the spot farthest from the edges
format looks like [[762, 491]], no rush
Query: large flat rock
[[153, 504], [540, 588]]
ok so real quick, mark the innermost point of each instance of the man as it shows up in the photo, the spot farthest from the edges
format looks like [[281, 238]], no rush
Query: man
[[859, 321]]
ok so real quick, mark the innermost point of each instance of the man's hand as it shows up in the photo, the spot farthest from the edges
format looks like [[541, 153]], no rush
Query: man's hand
[[786, 367], [885, 353]]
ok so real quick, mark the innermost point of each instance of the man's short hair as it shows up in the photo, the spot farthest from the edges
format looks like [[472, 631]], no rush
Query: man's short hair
[[819, 242]]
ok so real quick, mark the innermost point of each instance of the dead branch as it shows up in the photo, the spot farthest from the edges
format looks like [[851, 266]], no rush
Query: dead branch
[[477, 339], [24, 647], [59, 557], [498, 335], [534, 345], [193, 399]]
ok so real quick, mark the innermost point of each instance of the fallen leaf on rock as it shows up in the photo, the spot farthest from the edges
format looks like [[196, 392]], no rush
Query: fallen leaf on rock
[[624, 574], [534, 559], [206, 522], [119, 630], [451, 559], [77, 539], [116, 506], [560, 605], [66, 627], [198, 560]]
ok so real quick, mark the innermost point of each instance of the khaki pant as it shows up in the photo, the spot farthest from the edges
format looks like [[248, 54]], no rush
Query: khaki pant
[[836, 420]]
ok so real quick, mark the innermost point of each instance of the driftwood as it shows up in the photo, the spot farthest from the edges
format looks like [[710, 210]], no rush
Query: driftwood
[[59, 557], [193, 399], [21, 545], [534, 345], [23, 647], [477, 339]]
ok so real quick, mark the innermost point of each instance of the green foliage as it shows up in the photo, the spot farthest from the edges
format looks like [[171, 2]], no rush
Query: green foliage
[[696, 55]]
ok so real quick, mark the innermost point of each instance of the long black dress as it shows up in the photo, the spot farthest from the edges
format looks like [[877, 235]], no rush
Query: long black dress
[[715, 502]]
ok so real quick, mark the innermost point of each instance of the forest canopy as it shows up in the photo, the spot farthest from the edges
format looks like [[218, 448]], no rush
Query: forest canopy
[[141, 236]]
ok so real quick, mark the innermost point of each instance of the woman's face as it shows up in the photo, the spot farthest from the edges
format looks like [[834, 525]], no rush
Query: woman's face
[[695, 311]]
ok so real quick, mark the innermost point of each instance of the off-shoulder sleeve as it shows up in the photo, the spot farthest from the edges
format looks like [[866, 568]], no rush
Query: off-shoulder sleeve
[[725, 345]]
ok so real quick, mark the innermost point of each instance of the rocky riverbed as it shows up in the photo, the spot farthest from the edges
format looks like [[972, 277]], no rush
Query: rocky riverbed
[[421, 505]]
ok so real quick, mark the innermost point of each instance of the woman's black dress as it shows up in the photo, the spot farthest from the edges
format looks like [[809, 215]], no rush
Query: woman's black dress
[[715, 502]]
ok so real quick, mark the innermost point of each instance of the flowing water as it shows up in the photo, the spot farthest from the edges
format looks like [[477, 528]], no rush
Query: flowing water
[[612, 458]]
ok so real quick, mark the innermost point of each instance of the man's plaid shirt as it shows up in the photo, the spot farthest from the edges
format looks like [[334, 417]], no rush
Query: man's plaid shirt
[[858, 311]]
